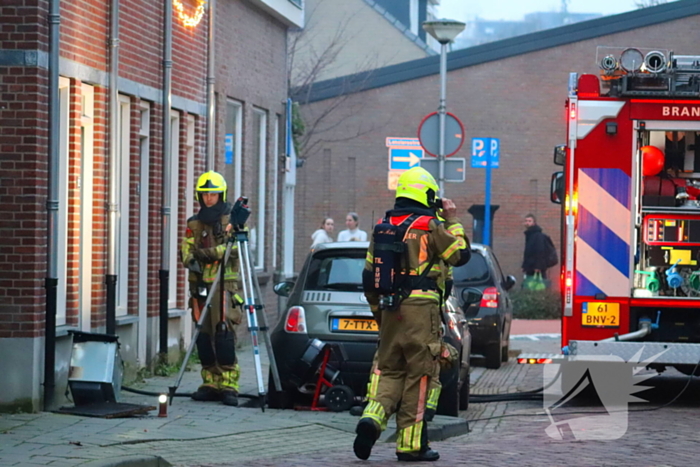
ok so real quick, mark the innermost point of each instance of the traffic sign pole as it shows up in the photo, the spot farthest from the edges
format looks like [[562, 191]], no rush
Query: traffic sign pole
[[487, 202], [441, 112]]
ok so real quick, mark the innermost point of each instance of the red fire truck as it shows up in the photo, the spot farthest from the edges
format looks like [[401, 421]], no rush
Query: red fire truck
[[630, 195]]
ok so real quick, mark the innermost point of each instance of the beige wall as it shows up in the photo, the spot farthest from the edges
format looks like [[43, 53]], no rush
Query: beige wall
[[365, 39]]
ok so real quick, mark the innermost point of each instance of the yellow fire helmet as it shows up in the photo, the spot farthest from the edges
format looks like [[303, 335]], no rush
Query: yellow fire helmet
[[211, 182], [417, 184]]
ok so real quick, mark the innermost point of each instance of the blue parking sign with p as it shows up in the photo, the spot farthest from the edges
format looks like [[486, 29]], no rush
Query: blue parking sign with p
[[483, 149]]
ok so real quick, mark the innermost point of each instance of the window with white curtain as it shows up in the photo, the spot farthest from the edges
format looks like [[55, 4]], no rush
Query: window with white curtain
[[174, 211], [123, 192], [62, 217], [257, 195]]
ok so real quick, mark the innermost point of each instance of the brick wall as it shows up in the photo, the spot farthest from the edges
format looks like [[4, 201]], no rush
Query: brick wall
[[251, 68], [519, 100], [23, 189]]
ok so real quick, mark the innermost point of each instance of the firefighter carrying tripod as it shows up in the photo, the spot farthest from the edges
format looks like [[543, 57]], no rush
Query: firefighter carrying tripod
[[215, 238]]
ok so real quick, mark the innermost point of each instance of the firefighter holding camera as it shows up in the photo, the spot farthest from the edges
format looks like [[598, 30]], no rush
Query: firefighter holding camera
[[201, 252], [409, 251]]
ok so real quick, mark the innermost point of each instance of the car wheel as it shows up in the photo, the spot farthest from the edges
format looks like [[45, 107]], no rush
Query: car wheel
[[448, 403], [493, 355], [278, 399], [464, 394], [504, 351]]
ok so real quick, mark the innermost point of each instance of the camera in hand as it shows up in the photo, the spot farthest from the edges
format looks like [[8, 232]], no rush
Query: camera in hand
[[239, 213]]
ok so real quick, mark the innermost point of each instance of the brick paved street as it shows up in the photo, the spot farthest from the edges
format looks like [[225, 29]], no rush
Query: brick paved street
[[664, 437], [506, 433]]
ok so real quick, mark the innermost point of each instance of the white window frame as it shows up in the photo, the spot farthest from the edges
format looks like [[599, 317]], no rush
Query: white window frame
[[275, 190], [86, 187], [190, 123], [238, 145], [262, 185], [62, 216], [123, 204], [173, 285], [144, 218]]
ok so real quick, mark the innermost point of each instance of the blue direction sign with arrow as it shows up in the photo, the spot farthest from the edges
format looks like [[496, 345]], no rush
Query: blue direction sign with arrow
[[404, 159]]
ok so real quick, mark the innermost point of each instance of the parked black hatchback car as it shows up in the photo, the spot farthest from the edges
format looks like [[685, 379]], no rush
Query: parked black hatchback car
[[327, 303], [489, 321]]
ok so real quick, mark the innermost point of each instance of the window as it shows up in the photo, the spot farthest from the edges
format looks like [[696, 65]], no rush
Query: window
[[144, 222], [257, 195], [232, 149], [62, 220], [188, 197], [476, 270], [174, 211], [275, 182], [123, 209], [86, 187], [336, 270]]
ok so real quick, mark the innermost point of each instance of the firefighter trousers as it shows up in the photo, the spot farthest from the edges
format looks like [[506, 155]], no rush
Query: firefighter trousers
[[408, 349], [216, 343]]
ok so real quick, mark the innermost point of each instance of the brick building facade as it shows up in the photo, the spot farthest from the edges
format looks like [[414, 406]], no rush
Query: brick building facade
[[513, 89], [250, 79]]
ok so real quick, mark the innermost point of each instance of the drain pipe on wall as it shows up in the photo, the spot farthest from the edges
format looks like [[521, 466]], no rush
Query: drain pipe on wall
[[113, 206], [211, 96], [164, 273], [51, 281]]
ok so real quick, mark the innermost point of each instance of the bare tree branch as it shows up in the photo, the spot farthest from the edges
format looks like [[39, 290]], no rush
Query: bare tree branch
[[648, 3], [312, 57]]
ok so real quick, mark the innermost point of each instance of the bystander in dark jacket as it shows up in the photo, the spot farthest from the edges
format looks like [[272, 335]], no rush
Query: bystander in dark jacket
[[536, 248]]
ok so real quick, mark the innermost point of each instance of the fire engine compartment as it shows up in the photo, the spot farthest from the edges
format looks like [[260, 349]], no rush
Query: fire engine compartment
[[667, 257]]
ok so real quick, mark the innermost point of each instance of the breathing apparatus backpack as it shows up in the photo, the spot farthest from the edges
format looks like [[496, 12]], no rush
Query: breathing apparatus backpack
[[389, 277]]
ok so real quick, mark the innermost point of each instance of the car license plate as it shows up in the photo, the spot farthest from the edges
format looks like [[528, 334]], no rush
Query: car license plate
[[600, 314], [354, 325]]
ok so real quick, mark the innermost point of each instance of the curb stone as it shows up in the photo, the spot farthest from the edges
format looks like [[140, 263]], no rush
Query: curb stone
[[134, 460]]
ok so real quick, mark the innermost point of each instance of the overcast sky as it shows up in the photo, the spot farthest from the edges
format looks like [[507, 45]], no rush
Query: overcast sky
[[515, 9]]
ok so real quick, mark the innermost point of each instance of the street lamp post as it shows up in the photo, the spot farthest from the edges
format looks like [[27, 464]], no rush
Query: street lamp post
[[444, 31]]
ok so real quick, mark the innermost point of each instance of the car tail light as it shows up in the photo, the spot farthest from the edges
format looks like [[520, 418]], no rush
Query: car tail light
[[296, 320], [489, 299]]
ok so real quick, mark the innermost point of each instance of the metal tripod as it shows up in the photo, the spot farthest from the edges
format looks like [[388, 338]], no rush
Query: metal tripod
[[252, 305]]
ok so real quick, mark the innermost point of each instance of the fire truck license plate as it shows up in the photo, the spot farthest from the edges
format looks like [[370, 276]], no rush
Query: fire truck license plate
[[600, 314], [354, 325]]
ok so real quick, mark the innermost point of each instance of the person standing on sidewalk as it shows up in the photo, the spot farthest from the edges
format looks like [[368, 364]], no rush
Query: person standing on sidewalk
[[202, 251], [323, 235], [539, 254], [353, 232], [409, 341]]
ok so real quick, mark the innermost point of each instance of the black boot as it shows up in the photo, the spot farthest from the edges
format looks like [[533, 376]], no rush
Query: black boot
[[367, 433], [206, 394], [230, 397], [423, 456], [357, 410]]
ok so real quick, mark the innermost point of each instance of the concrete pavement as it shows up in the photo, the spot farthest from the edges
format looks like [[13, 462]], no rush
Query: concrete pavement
[[196, 433], [193, 432]]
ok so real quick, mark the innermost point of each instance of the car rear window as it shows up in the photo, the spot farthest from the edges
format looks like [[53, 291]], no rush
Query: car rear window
[[476, 270], [336, 270]]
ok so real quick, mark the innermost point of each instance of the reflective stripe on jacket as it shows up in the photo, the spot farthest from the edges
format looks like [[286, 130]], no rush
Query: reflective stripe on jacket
[[210, 249]]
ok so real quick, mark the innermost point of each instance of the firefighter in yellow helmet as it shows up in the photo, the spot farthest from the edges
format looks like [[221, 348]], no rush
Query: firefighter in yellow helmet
[[412, 247], [202, 252]]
